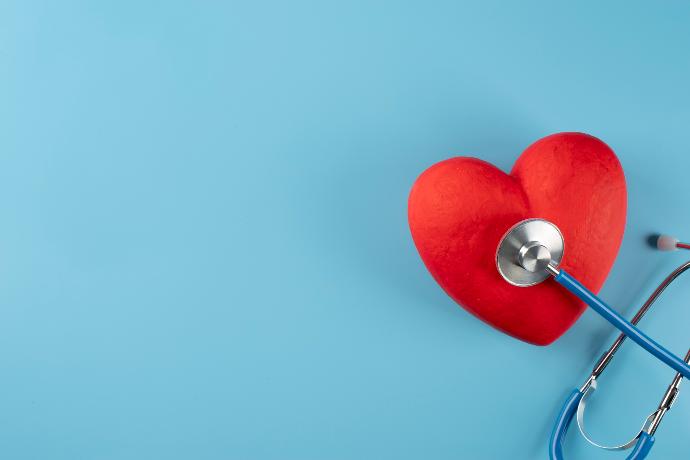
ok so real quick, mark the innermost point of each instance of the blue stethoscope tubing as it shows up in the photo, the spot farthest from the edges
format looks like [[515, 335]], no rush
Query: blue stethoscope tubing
[[644, 440], [642, 447], [530, 252], [574, 286]]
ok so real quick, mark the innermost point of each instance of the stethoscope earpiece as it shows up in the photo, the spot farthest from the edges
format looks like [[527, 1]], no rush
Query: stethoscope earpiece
[[666, 243]]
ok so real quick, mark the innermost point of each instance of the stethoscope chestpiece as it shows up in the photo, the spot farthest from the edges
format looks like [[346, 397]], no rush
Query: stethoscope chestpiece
[[527, 252]]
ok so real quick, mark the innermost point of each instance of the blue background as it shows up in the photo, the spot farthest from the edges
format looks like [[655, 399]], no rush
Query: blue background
[[204, 250]]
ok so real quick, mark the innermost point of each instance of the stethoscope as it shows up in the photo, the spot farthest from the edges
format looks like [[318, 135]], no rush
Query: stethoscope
[[530, 253]]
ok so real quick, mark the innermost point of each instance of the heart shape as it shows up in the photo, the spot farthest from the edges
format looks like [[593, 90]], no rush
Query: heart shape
[[460, 208]]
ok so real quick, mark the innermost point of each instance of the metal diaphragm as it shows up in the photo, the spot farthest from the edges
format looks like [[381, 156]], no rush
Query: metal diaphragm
[[526, 250]]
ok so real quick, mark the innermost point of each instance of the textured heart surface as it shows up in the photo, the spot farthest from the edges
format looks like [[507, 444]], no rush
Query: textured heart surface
[[460, 208]]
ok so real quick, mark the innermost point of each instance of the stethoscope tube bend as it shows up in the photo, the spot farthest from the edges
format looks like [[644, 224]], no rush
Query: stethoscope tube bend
[[565, 417]]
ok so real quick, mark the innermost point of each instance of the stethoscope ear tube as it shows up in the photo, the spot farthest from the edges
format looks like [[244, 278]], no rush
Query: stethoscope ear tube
[[565, 417], [560, 428]]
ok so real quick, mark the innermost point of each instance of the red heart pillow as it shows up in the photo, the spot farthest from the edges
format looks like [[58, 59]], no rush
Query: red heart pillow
[[460, 208]]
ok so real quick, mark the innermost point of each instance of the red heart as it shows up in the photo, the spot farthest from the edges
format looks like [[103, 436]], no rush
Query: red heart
[[460, 208]]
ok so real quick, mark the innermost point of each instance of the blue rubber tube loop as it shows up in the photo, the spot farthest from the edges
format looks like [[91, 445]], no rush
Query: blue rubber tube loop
[[560, 428], [642, 448], [622, 324], [565, 417]]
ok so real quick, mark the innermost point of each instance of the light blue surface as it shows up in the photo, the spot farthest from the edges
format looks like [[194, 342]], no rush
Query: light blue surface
[[204, 250]]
